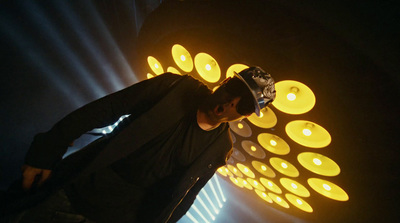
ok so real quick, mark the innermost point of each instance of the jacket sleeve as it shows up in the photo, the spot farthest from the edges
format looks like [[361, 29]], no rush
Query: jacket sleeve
[[48, 148], [188, 200]]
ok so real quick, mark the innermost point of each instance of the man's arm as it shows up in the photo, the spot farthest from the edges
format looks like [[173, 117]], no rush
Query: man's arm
[[48, 148]]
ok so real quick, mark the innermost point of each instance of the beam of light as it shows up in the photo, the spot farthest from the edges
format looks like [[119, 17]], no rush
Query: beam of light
[[126, 72], [88, 43], [219, 188], [190, 216], [215, 193], [37, 58], [45, 25], [200, 214], [216, 210], [205, 207]]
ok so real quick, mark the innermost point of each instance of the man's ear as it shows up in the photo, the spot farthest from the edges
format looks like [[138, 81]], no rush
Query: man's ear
[[219, 109]]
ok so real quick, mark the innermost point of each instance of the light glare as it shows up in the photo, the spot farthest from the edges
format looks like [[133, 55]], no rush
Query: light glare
[[317, 161], [291, 97], [307, 132], [327, 187]]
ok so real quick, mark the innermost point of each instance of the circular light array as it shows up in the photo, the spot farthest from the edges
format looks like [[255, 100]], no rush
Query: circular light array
[[224, 171], [263, 169], [155, 65], [263, 196], [235, 171], [293, 97], [328, 189], [235, 68], [255, 184], [238, 155], [273, 144], [270, 185], [149, 75], [299, 203], [318, 164], [233, 136], [182, 58], [284, 167], [266, 120], [207, 67], [279, 200], [308, 134], [294, 187], [245, 183], [241, 128], [245, 170], [236, 182], [253, 149], [173, 70]]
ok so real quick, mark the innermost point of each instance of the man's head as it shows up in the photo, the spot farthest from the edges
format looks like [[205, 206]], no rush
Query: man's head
[[241, 95], [261, 86]]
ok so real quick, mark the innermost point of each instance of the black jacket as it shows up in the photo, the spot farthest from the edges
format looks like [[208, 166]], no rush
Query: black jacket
[[168, 94]]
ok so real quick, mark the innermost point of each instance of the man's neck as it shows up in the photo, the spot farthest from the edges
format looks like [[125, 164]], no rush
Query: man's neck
[[206, 121]]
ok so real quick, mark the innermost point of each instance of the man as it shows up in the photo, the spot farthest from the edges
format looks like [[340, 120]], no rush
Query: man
[[152, 166]]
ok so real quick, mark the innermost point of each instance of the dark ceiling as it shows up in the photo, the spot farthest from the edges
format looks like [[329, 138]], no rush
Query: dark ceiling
[[59, 55]]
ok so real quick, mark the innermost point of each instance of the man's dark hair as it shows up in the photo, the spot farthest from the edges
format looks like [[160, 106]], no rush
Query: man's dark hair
[[226, 92]]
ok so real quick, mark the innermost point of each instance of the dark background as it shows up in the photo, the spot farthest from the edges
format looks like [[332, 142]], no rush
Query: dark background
[[58, 55]]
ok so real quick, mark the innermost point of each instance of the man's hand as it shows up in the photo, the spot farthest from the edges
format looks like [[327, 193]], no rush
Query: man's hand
[[32, 175]]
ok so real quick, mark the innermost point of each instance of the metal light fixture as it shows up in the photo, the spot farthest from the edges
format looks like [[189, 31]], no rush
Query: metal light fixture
[[273, 144], [266, 120], [308, 134], [293, 97], [155, 65], [318, 164], [182, 58], [328, 189], [235, 68], [207, 67], [294, 187], [284, 167]]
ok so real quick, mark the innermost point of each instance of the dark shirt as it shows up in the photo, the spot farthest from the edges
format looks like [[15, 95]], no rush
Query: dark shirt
[[150, 171]]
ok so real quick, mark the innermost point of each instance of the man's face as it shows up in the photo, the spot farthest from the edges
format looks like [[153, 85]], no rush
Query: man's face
[[230, 113]]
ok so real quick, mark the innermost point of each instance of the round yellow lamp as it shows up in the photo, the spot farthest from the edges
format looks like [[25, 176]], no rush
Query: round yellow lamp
[[238, 155], [318, 164], [207, 67], [235, 68], [308, 134], [155, 65], [293, 97], [328, 189], [245, 170], [241, 128], [149, 75], [224, 171], [263, 169], [173, 70], [270, 185], [266, 120], [255, 184], [299, 203], [273, 144], [263, 196], [278, 200], [235, 171], [182, 58], [294, 187], [245, 183], [236, 182], [284, 167], [253, 149]]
